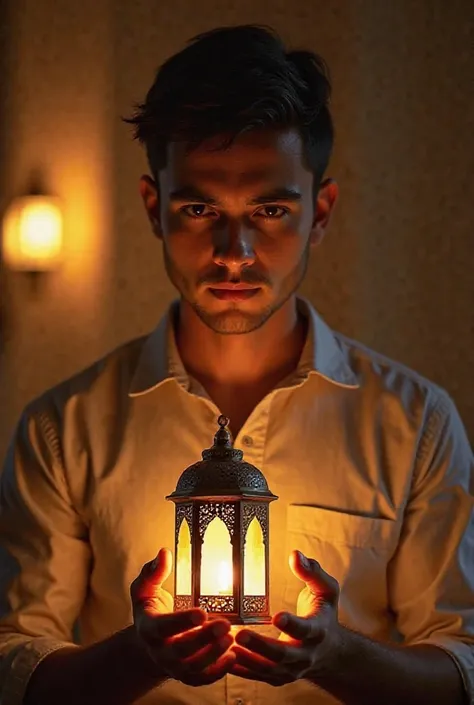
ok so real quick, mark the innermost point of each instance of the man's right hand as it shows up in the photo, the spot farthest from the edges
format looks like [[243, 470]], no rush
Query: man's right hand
[[183, 645]]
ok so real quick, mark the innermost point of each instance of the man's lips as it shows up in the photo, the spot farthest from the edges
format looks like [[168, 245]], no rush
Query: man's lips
[[239, 286], [233, 292]]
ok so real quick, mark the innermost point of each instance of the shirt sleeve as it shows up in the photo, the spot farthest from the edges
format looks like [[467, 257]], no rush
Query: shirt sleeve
[[44, 555], [431, 576]]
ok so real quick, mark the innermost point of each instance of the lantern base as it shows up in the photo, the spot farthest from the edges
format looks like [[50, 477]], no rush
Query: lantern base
[[226, 608], [241, 619]]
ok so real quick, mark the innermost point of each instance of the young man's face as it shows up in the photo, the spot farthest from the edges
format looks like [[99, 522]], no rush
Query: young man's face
[[240, 217]]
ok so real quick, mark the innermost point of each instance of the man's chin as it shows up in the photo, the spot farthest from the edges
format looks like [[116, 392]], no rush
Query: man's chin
[[231, 322]]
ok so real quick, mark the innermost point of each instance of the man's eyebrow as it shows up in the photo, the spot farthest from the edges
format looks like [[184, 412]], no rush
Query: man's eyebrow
[[283, 193], [192, 193]]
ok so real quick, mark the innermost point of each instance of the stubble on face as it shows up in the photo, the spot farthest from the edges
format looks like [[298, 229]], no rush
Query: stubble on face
[[234, 320]]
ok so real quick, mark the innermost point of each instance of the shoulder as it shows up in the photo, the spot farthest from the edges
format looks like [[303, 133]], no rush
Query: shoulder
[[104, 382], [379, 371], [396, 390], [403, 404]]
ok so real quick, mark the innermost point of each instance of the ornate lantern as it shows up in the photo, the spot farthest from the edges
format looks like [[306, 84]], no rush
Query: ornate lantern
[[222, 535]]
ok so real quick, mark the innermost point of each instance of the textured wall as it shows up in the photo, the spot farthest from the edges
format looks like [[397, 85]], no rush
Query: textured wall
[[396, 271], [57, 113]]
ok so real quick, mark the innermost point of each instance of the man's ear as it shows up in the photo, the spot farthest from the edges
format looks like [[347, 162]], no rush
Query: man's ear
[[325, 202], [150, 197]]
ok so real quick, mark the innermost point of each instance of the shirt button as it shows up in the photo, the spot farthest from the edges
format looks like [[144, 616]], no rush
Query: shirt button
[[247, 441]]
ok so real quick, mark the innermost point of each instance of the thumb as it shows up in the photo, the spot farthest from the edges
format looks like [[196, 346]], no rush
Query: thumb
[[160, 567], [152, 576], [309, 570]]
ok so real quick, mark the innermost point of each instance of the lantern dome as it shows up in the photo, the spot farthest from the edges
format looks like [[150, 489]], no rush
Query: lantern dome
[[222, 472]]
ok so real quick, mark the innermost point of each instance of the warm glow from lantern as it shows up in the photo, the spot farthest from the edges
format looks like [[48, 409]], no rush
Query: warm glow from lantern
[[254, 560], [32, 237], [216, 560], [224, 578], [226, 542], [183, 560]]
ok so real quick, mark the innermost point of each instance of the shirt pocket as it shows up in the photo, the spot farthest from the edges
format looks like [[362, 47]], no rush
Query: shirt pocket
[[353, 549]]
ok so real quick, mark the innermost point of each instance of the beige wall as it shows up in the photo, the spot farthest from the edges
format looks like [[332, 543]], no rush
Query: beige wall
[[396, 271]]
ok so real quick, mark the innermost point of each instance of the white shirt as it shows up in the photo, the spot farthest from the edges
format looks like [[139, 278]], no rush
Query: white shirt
[[370, 462]]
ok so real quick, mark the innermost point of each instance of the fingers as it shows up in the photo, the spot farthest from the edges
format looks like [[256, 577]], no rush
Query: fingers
[[253, 661], [187, 644], [206, 665], [309, 570], [208, 655], [272, 650], [222, 664], [254, 667], [199, 656], [300, 628], [155, 628], [212, 673]]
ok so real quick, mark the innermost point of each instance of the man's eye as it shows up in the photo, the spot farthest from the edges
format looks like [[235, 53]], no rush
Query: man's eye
[[197, 210], [272, 212]]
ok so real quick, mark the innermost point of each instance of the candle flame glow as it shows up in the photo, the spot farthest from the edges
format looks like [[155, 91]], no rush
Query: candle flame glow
[[224, 578], [216, 561]]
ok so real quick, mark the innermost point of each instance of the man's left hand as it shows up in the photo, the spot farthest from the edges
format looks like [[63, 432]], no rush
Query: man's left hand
[[310, 640]]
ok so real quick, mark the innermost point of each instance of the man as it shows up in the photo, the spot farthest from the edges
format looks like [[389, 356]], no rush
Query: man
[[370, 461]]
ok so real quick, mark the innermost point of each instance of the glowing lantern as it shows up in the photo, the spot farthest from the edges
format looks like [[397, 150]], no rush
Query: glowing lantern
[[222, 535]]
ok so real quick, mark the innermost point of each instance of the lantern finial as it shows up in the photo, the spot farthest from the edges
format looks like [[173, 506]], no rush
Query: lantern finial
[[223, 437]]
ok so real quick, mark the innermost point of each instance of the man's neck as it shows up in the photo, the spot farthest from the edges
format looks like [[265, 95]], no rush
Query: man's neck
[[245, 359]]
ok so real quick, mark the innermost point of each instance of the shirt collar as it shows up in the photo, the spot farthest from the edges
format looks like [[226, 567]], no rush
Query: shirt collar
[[160, 361]]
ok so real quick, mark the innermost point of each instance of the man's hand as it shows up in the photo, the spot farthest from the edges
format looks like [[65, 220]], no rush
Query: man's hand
[[309, 643], [182, 645]]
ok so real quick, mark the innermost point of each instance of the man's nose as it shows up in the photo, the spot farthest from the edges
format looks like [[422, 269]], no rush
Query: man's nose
[[234, 246]]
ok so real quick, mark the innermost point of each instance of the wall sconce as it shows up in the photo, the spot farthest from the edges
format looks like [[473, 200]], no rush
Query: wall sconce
[[222, 535], [32, 234]]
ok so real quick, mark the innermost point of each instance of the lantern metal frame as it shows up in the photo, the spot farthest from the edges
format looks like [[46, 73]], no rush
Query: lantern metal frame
[[223, 485]]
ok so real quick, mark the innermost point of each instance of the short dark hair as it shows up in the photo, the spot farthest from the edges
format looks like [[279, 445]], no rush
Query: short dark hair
[[231, 80]]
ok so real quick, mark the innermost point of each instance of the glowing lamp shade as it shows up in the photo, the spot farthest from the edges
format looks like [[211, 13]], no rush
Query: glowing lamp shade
[[32, 234], [222, 535]]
